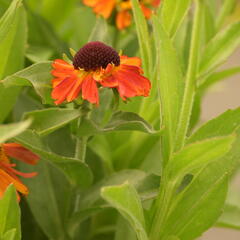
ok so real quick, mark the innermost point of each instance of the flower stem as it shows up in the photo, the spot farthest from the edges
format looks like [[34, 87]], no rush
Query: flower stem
[[81, 146], [190, 84]]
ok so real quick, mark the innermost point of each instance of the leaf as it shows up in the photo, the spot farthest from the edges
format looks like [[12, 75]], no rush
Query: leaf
[[49, 199], [170, 80], [8, 131], [10, 214], [13, 35], [100, 31], [48, 120], [230, 217], [226, 9], [10, 235], [76, 171], [198, 206], [198, 155], [56, 12], [92, 195], [120, 121], [222, 125], [126, 200], [173, 13], [143, 37], [38, 75], [220, 48]]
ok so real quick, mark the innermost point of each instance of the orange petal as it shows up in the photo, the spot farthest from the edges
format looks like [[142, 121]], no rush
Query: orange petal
[[21, 153], [123, 19], [61, 91], [62, 65], [6, 180], [90, 3], [146, 11], [131, 83], [104, 7], [133, 61], [89, 90]]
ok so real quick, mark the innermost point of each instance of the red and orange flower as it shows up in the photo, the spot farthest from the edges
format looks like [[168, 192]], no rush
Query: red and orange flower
[[8, 173], [98, 65], [123, 8]]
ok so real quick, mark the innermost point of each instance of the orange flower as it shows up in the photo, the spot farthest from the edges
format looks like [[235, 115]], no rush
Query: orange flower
[[123, 7], [95, 65], [8, 174]]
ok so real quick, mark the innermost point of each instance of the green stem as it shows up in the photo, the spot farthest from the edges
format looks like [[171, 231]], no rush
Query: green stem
[[161, 207], [81, 146], [190, 84]]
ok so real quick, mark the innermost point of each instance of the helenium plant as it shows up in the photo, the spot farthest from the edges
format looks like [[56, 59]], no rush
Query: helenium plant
[[102, 100]]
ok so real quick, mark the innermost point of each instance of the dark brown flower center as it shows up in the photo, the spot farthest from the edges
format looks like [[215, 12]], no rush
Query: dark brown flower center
[[94, 55]]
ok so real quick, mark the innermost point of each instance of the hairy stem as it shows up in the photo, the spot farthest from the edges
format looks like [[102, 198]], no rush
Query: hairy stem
[[190, 84]]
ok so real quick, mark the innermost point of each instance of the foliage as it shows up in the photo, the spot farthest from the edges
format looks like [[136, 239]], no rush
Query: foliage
[[142, 170]]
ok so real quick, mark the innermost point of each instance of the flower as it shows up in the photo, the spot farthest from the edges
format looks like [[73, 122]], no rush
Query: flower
[[105, 8], [96, 65], [8, 174]]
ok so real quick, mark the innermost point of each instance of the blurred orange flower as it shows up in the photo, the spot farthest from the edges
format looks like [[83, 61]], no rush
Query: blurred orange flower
[[95, 65], [8, 173], [105, 8]]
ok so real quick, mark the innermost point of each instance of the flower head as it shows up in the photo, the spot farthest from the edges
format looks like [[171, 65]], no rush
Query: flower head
[[105, 8], [8, 173], [98, 65]]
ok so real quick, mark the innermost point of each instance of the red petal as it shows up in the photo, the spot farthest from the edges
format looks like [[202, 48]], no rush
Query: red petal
[[21, 153], [61, 91], [131, 83], [89, 90]]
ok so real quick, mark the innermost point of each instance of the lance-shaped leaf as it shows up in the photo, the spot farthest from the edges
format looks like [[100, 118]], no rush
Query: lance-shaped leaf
[[198, 155], [10, 215], [220, 48], [198, 206], [76, 171], [48, 120], [173, 13], [170, 80], [222, 125], [11, 130], [126, 200], [120, 121], [143, 37], [38, 75], [13, 35]]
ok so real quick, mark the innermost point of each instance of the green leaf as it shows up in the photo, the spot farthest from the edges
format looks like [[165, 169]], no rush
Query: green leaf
[[198, 206], [226, 9], [198, 155], [170, 80], [230, 217], [220, 48], [222, 125], [143, 37], [11, 130], [56, 11], [76, 171], [126, 200], [100, 31], [10, 214], [173, 13], [136, 178], [38, 75], [120, 121], [49, 120], [10, 235], [49, 199], [13, 35]]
